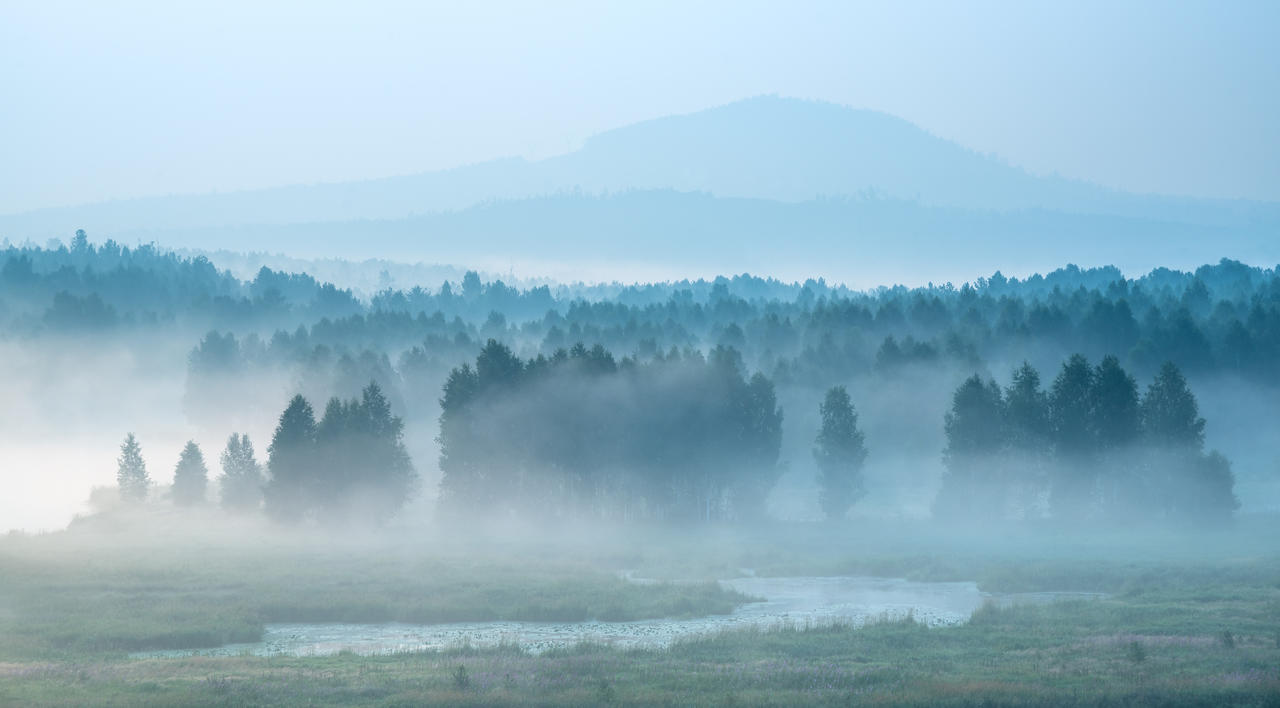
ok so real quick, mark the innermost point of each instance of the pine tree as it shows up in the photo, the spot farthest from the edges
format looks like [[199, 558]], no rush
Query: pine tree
[[1116, 426], [1074, 442], [1026, 417], [190, 477], [840, 452], [290, 461], [387, 478], [1170, 413], [241, 482], [760, 430], [131, 471], [972, 487], [1192, 485]]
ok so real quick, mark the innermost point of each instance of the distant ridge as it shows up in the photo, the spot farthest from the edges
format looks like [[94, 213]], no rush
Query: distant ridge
[[860, 241], [767, 147]]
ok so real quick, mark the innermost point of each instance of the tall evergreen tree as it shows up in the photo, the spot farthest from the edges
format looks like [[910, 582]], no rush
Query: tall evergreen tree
[[1026, 419], [1170, 414], [290, 461], [241, 481], [460, 472], [759, 430], [1191, 484], [972, 486], [131, 471], [380, 476], [190, 477], [1074, 443], [840, 452], [1114, 406], [1116, 427]]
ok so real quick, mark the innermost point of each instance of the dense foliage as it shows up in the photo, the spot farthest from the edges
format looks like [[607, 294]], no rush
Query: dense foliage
[[840, 451], [321, 341], [350, 466], [1089, 447], [675, 436]]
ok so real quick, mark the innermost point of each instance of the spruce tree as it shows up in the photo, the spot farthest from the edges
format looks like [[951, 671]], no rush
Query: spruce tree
[[1074, 442], [972, 486], [190, 477], [131, 471], [1191, 484], [290, 461], [1116, 426], [840, 452], [1026, 416], [241, 482], [1170, 414]]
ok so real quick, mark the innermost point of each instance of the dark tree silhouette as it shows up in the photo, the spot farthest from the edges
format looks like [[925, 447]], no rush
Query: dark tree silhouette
[[1170, 414], [1026, 420], [350, 467], [1074, 441], [840, 452], [1116, 429], [681, 436], [971, 486], [290, 462], [1190, 483]]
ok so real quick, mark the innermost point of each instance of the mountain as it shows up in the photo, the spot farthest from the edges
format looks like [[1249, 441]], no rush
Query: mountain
[[862, 241], [760, 148], [765, 184]]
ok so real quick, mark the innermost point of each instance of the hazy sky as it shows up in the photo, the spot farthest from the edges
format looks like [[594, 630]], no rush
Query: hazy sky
[[106, 100]]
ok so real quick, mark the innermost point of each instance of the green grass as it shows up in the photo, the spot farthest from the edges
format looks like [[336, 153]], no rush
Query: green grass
[[70, 607], [61, 600], [1065, 653]]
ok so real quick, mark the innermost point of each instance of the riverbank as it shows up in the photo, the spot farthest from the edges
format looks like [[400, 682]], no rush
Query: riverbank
[[1186, 620]]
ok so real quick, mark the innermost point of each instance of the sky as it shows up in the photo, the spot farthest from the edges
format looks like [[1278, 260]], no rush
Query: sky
[[115, 100]]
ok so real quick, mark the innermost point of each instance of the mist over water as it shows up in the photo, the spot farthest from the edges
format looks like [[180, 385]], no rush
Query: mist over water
[[591, 355]]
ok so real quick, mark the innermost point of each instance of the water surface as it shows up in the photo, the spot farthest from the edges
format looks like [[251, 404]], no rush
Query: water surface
[[790, 600]]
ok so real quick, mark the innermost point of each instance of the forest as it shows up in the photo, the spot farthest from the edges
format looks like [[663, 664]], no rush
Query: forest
[[665, 400]]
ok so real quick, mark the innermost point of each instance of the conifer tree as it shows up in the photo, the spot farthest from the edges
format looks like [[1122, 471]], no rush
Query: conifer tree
[[972, 488], [1190, 484], [1116, 427], [1074, 441], [241, 482], [1026, 418], [290, 461], [131, 471], [190, 477], [840, 452]]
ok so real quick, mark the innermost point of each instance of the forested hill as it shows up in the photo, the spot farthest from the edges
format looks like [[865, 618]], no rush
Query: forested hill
[[868, 240], [831, 182], [1224, 316], [240, 348]]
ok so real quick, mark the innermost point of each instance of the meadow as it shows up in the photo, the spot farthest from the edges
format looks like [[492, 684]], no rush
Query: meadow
[[1192, 619]]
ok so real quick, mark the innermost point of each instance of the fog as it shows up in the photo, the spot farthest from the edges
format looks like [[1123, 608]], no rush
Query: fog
[[587, 355], [172, 372]]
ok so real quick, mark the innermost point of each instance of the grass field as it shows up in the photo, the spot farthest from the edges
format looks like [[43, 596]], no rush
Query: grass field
[[1192, 620]]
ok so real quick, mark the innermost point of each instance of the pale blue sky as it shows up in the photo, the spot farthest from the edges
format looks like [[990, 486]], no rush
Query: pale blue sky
[[109, 100]]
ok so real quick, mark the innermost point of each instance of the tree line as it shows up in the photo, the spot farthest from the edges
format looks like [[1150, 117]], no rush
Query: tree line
[[688, 437], [680, 436], [349, 467], [240, 484], [1090, 446], [1219, 318]]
